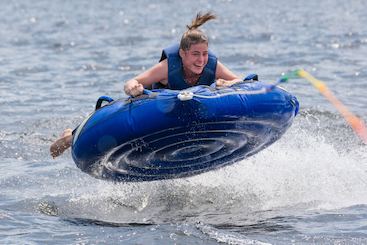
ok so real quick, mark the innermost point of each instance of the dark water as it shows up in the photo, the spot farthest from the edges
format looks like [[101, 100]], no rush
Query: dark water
[[58, 57]]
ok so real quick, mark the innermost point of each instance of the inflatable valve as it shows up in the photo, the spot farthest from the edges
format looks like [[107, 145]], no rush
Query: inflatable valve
[[185, 95]]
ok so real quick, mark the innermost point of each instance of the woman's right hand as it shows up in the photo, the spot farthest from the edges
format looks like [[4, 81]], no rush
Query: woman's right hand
[[133, 88]]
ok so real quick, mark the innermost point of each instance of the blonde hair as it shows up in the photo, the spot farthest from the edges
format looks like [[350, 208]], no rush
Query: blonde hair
[[193, 35]]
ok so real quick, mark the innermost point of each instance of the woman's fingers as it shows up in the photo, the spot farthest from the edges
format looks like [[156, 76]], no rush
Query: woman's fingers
[[225, 83], [136, 90], [133, 88], [220, 82]]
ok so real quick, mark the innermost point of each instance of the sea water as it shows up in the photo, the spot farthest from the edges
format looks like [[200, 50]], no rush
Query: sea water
[[58, 57]]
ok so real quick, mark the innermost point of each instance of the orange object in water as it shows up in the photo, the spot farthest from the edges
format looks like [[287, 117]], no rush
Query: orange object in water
[[356, 123]]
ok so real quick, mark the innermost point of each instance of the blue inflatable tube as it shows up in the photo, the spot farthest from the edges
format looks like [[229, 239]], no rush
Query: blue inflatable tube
[[171, 134]]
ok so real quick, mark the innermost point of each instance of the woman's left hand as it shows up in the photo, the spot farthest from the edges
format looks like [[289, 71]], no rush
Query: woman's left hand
[[226, 83]]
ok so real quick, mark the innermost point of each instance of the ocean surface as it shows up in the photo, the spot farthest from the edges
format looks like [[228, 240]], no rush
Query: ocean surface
[[58, 57]]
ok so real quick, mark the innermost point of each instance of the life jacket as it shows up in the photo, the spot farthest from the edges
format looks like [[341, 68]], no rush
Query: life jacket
[[175, 73]]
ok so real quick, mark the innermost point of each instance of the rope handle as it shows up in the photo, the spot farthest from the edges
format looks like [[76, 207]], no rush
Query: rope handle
[[185, 95], [101, 100]]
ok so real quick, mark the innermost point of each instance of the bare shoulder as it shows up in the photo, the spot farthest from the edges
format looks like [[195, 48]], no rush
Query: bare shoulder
[[157, 73]]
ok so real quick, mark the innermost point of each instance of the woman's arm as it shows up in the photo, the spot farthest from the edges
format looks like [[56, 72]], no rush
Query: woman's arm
[[224, 76], [157, 73]]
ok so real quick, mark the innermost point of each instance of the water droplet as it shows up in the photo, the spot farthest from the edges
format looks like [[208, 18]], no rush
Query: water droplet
[[335, 45]]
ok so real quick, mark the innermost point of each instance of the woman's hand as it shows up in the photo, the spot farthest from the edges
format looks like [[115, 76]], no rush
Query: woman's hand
[[226, 83], [133, 88]]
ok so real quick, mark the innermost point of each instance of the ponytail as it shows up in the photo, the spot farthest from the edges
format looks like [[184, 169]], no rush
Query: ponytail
[[200, 20], [193, 35]]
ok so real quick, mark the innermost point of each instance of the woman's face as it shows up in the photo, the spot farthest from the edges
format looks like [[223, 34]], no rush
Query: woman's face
[[196, 58]]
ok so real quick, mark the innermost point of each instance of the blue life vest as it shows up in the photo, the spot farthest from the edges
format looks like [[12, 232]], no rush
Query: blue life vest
[[175, 73]]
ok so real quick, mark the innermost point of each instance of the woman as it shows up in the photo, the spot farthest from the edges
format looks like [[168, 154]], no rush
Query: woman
[[185, 66], [181, 66]]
